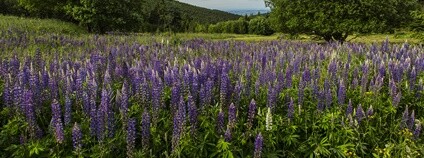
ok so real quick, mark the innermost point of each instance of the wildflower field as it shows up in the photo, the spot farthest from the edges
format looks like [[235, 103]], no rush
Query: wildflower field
[[112, 96]]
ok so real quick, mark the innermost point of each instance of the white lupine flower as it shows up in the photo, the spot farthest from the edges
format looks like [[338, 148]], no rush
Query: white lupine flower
[[269, 120]]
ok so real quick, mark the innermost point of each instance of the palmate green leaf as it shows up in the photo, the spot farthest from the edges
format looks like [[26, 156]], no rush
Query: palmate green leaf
[[35, 148]]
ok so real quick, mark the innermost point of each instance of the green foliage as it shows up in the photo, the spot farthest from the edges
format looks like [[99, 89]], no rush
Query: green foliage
[[39, 26], [335, 20], [260, 26], [107, 15], [11, 7]]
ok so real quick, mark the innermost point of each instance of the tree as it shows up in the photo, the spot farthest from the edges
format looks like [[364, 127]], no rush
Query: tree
[[107, 15], [260, 26], [336, 19]]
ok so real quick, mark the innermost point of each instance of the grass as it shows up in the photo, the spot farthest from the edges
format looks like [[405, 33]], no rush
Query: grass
[[39, 26], [43, 26]]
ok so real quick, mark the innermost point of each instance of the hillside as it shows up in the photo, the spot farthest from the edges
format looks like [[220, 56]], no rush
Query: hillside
[[204, 15]]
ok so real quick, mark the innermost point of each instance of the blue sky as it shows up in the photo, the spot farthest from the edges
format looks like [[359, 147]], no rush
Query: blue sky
[[227, 4]]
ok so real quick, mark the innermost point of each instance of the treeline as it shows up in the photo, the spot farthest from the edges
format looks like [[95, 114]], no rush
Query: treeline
[[102, 16], [258, 25]]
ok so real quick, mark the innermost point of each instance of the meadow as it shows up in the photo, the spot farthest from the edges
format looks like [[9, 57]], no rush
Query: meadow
[[68, 93]]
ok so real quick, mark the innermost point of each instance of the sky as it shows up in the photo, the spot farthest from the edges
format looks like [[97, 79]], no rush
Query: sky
[[227, 4]]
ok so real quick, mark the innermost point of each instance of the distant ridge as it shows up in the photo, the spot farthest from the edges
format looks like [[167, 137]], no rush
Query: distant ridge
[[248, 11], [204, 15]]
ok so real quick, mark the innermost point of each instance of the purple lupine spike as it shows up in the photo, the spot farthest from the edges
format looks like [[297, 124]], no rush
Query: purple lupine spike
[[300, 94], [417, 130], [227, 135], [175, 96], [57, 122], [124, 100], [405, 118], [209, 91], [272, 97], [76, 137], [86, 103], [156, 102], [232, 112], [131, 136], [225, 82], [411, 121], [360, 114], [195, 86], [341, 95], [179, 121], [144, 93], [7, 96], [258, 146], [93, 115], [102, 115], [321, 101], [251, 114], [370, 111], [327, 91], [396, 99], [412, 78], [145, 130], [288, 78], [107, 80], [306, 76], [355, 83], [290, 109], [220, 122], [17, 95], [68, 112], [192, 112], [30, 112]]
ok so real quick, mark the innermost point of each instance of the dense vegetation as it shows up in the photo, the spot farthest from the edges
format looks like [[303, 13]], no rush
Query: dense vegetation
[[258, 25], [115, 15], [111, 96], [335, 20]]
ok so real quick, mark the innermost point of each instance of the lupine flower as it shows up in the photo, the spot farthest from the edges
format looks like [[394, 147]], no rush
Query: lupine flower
[[300, 93], [86, 103], [349, 108], [225, 81], [411, 121], [192, 112], [57, 122], [251, 114], [220, 121], [68, 104], [405, 118], [288, 77], [175, 96], [341, 95], [232, 111], [290, 109], [370, 111], [328, 95], [7, 96], [30, 112], [131, 131], [396, 99], [76, 137], [258, 146], [417, 130], [179, 121], [145, 130], [359, 114], [268, 119], [227, 134], [124, 99], [93, 116]]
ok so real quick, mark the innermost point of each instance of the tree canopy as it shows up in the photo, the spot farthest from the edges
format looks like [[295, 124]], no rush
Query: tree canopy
[[336, 19]]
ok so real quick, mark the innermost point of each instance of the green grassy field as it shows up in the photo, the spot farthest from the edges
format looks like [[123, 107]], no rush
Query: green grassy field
[[43, 26]]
